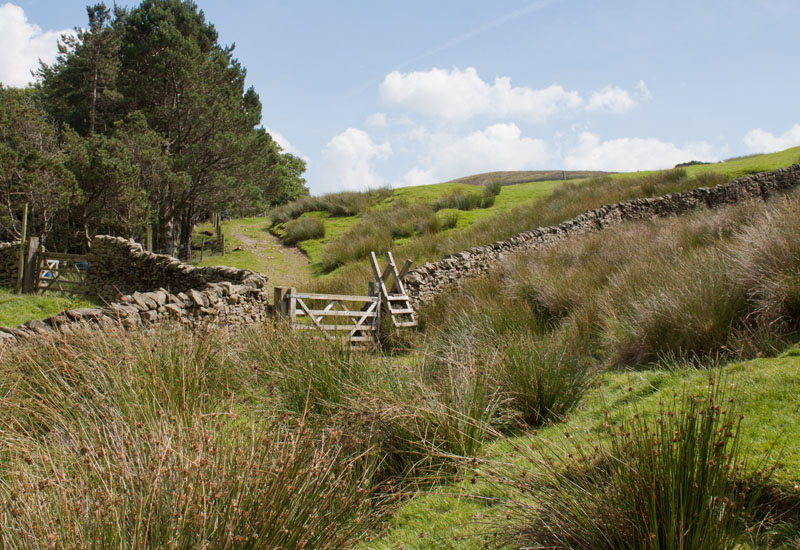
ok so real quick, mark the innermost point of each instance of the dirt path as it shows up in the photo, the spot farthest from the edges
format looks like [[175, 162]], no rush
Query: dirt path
[[284, 265], [249, 245]]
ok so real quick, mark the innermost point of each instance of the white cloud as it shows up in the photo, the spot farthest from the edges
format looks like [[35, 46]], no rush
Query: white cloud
[[287, 147], [461, 95], [761, 141], [416, 176], [631, 154], [23, 44], [498, 147], [378, 120], [347, 162], [611, 99]]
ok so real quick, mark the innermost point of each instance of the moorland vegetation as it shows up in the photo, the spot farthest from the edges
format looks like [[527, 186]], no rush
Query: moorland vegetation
[[573, 399]]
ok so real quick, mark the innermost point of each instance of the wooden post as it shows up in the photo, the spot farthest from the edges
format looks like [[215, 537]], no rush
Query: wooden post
[[222, 237], [202, 249], [21, 270], [149, 238], [31, 281], [279, 301], [291, 306]]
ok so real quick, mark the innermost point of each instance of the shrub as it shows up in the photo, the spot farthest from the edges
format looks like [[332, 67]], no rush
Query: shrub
[[674, 481], [303, 229]]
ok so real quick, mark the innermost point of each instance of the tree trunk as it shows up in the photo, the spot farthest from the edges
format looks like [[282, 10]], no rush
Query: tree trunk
[[187, 227]]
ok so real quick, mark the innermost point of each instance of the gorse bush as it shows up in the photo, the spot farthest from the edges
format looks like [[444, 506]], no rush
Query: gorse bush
[[303, 229], [674, 481]]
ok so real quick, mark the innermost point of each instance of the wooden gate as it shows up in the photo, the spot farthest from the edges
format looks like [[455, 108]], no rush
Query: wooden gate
[[353, 318], [61, 272]]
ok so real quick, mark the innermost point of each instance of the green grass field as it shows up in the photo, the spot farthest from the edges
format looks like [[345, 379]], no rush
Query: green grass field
[[15, 310]]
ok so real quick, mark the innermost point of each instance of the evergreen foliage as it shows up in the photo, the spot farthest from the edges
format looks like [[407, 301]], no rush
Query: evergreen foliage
[[143, 119]]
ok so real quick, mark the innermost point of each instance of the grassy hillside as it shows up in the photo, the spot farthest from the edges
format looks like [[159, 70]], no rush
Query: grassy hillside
[[596, 386], [518, 207], [250, 245], [526, 176]]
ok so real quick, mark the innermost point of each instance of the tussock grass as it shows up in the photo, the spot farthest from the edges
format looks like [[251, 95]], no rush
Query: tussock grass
[[148, 441], [347, 203], [709, 285], [303, 229], [678, 480], [378, 230], [566, 201], [460, 200]]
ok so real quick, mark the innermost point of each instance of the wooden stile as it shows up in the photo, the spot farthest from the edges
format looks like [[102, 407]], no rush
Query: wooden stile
[[355, 318]]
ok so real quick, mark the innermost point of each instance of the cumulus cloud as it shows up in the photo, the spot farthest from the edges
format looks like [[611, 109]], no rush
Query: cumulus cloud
[[461, 95], [611, 99], [287, 147], [498, 147], [416, 176], [23, 44], [347, 162], [631, 154], [761, 141]]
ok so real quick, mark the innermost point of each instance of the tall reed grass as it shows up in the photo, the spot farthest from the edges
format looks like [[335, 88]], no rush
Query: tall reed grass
[[674, 481], [708, 285], [124, 439], [347, 203]]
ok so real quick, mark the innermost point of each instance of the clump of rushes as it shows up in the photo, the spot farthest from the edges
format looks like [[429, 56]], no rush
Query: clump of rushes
[[354, 245], [347, 203], [677, 480], [544, 375], [303, 229], [125, 440]]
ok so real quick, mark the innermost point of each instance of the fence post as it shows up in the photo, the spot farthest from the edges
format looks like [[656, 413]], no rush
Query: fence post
[[291, 305], [149, 238], [279, 301], [21, 271], [31, 281]]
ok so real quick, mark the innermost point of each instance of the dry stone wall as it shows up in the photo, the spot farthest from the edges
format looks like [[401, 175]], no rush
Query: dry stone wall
[[119, 267], [9, 263], [146, 288], [424, 283]]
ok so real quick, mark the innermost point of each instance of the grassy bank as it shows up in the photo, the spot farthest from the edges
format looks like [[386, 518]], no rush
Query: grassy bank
[[15, 310]]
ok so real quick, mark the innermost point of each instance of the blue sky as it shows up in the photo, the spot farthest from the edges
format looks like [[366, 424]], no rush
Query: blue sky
[[412, 92]]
